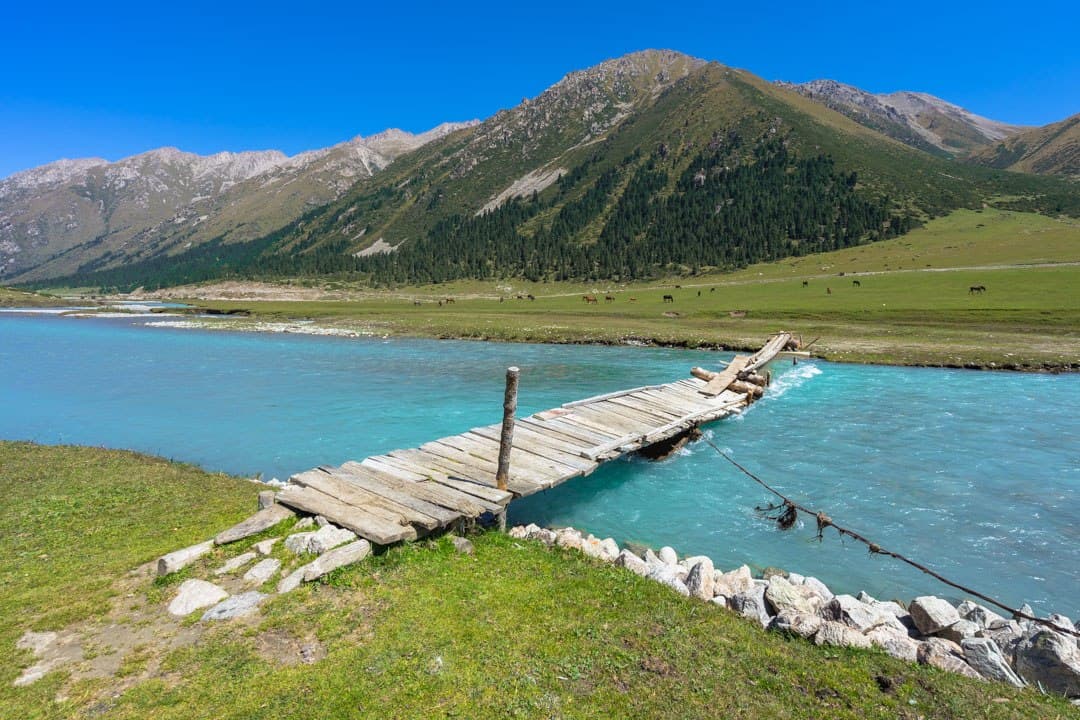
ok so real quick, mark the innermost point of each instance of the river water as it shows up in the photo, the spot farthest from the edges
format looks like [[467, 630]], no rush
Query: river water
[[976, 474]]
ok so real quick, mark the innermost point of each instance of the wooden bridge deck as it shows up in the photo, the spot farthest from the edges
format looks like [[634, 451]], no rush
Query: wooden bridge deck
[[406, 494]]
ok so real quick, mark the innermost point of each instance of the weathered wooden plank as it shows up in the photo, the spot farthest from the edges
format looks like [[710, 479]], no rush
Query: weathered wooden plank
[[482, 486], [541, 467], [719, 382], [579, 440], [522, 466], [652, 405], [360, 521], [471, 468], [605, 396], [354, 494], [443, 489], [639, 411], [570, 425], [538, 444], [439, 501], [681, 398], [618, 423], [549, 437]]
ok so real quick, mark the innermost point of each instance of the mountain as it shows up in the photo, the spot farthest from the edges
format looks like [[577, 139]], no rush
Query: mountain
[[1049, 150], [85, 215], [651, 163], [917, 119]]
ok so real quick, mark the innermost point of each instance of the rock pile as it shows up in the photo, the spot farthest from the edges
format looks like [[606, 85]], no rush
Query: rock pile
[[967, 639]]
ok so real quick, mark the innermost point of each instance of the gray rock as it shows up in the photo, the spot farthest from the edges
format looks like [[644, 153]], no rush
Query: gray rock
[[336, 558], [532, 530], [796, 578], [840, 635], [300, 542], [1006, 634], [265, 547], [782, 596], [546, 536], [893, 642], [937, 653], [986, 658], [257, 523], [568, 538], [700, 579], [932, 614], [517, 532], [262, 571], [669, 556], [36, 642], [720, 601], [1049, 658], [291, 581], [329, 537], [304, 523], [632, 562], [236, 606], [267, 498], [592, 547], [462, 545], [666, 575], [796, 623], [819, 587], [732, 583], [194, 595], [180, 559], [609, 549], [858, 615], [651, 559], [235, 564], [750, 603], [960, 630], [320, 521], [1061, 621], [978, 614]]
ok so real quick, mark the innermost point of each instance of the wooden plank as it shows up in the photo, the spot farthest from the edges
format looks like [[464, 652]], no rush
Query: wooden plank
[[680, 397], [618, 423], [653, 405], [471, 468], [535, 469], [719, 383], [476, 481], [434, 493], [351, 517], [640, 408], [553, 439], [541, 464], [262, 520], [569, 425], [401, 462], [354, 494], [440, 488], [576, 438], [606, 396], [541, 446]]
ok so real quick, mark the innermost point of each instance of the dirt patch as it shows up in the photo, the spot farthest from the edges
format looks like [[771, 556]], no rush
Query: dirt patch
[[282, 648]]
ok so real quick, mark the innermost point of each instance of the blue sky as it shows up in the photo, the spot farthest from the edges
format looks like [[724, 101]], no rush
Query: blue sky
[[114, 79]]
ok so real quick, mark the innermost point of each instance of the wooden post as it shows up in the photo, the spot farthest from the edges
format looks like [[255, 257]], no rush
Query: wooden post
[[506, 440]]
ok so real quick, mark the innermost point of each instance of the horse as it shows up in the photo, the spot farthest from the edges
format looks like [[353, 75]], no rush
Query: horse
[[416, 302], [828, 291], [589, 299], [976, 289], [856, 283], [669, 298], [531, 296], [699, 293], [805, 283], [633, 299], [609, 298], [712, 289], [678, 287], [449, 301]]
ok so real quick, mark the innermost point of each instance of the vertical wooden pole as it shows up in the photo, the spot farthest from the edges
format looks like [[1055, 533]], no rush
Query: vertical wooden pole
[[506, 440]]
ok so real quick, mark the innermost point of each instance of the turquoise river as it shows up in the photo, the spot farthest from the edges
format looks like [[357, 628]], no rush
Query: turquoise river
[[976, 474]]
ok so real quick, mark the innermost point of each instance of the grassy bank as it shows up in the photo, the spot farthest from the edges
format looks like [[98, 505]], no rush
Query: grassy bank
[[420, 631]]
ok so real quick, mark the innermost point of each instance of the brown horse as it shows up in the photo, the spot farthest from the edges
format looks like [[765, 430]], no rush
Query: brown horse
[[589, 299], [609, 298], [669, 298]]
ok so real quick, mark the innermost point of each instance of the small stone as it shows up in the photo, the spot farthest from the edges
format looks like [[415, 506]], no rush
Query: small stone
[[651, 559], [462, 545], [632, 562], [978, 614], [235, 564], [568, 538], [265, 547], [592, 547], [236, 606], [299, 543], [329, 537], [291, 581], [546, 536], [517, 532], [180, 559], [750, 603], [960, 630], [532, 530], [796, 623], [609, 549], [336, 558], [840, 635], [700, 580], [321, 521], [719, 600], [267, 498], [304, 523], [932, 614], [936, 654], [985, 657], [732, 583], [796, 578], [668, 556], [194, 595], [781, 595], [819, 587], [665, 575], [262, 571]]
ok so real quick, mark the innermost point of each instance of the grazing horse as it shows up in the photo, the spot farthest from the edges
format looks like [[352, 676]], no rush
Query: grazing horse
[[416, 302], [669, 298], [609, 298], [976, 289], [856, 283], [449, 301], [633, 299], [589, 299], [699, 293], [531, 296], [805, 283], [712, 289], [678, 287], [828, 291]]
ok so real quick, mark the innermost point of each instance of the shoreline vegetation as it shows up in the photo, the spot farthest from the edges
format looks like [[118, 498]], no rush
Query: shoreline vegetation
[[508, 627], [982, 289]]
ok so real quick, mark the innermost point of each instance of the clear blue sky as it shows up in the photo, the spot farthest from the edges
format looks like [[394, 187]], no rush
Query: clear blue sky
[[112, 79]]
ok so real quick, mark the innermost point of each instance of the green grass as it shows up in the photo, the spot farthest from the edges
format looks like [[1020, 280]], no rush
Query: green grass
[[10, 297], [518, 630]]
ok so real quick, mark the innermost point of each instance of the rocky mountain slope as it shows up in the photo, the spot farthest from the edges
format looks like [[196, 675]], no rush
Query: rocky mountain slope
[[90, 214], [918, 119], [1049, 150]]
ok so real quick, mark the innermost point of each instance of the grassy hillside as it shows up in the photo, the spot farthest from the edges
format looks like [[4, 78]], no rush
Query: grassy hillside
[[517, 630], [1050, 150], [10, 297]]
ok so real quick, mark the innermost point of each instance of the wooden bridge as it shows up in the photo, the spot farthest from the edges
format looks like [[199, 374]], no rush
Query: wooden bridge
[[406, 494]]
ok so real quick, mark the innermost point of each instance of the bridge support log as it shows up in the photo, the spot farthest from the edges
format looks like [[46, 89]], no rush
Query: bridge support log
[[506, 438]]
